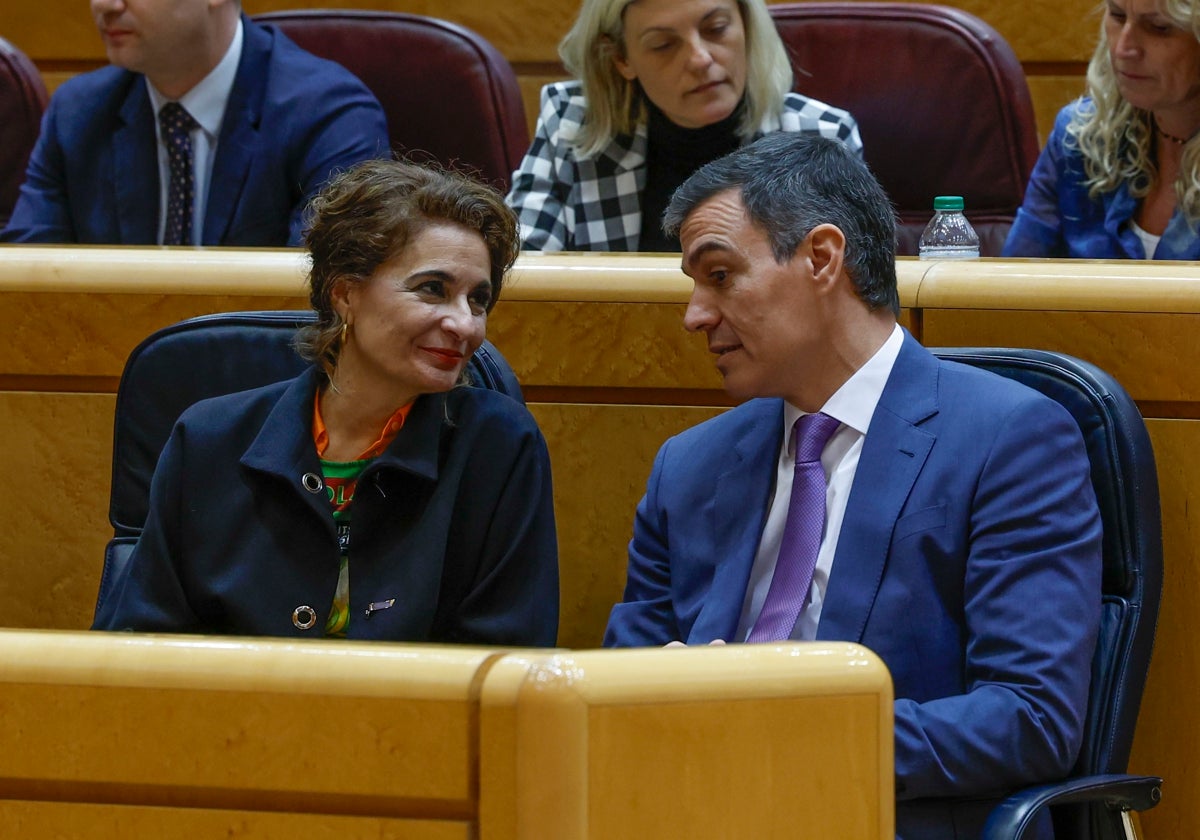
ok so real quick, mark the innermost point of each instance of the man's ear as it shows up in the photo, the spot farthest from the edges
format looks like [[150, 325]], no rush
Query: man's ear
[[827, 244]]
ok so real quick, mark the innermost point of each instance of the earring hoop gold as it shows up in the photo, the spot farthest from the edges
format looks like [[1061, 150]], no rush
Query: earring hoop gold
[[345, 329]]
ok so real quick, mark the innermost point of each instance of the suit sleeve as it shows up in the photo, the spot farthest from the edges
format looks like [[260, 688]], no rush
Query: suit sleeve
[[350, 128], [42, 213], [514, 600], [539, 193], [646, 616], [1031, 611], [149, 595]]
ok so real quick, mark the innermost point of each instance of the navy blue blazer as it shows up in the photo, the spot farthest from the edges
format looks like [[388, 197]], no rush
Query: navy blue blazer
[[292, 119], [969, 560], [455, 521]]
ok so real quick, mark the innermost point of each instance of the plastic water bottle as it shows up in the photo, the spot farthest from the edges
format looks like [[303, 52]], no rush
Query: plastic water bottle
[[949, 236]]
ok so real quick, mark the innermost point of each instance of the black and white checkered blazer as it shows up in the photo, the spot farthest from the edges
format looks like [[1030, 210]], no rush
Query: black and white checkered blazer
[[568, 203]]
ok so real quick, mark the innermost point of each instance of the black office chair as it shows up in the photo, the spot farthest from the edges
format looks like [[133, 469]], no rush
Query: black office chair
[[1093, 803], [200, 358]]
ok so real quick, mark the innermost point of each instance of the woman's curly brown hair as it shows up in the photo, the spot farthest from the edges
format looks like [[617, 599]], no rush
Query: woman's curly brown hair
[[365, 217]]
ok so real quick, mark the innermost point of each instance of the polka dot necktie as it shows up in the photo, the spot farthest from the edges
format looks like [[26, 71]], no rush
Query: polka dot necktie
[[176, 125], [801, 534]]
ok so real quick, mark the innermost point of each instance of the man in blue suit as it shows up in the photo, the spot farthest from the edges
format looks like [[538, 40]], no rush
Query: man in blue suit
[[266, 124], [956, 533]]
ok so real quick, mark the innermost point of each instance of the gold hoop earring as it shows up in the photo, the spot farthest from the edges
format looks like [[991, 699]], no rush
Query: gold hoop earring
[[345, 330]]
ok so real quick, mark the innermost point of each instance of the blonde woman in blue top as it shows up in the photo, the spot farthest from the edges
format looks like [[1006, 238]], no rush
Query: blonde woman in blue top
[[1120, 174], [662, 87]]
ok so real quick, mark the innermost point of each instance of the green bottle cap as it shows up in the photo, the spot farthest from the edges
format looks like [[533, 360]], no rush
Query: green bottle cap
[[948, 202]]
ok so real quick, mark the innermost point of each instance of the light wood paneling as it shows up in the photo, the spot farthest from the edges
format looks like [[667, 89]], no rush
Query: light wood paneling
[[1050, 94], [115, 735], [1129, 345], [121, 822], [600, 455], [251, 737], [58, 453], [602, 344], [1168, 735], [1026, 285], [646, 743], [1038, 31], [52, 33]]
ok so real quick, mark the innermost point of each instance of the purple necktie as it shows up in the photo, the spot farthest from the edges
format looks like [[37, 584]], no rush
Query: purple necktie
[[801, 535], [176, 125]]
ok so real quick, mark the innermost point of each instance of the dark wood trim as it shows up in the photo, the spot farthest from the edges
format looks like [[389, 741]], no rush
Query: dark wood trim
[[1054, 68], [1168, 410], [63, 384]]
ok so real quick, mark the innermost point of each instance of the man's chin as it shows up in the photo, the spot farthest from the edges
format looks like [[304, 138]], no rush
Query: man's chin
[[123, 58], [738, 389]]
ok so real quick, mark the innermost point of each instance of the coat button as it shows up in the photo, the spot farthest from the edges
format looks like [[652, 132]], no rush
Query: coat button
[[304, 617], [312, 482]]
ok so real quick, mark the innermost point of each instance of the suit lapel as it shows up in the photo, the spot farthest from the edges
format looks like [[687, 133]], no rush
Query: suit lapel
[[135, 171], [893, 454], [741, 495], [239, 133]]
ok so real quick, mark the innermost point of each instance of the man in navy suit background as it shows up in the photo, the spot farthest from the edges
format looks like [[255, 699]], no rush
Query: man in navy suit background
[[960, 538], [274, 122]]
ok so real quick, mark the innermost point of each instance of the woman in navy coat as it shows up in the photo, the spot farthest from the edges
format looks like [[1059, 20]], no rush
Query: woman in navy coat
[[371, 497]]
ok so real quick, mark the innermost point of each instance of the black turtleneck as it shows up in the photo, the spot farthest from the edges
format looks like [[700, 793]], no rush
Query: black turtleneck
[[673, 153]]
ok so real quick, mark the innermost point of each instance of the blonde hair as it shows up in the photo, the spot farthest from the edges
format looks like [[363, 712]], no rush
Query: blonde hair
[[598, 35], [1117, 139]]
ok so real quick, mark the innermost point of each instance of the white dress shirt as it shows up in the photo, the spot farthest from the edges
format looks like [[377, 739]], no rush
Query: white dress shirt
[[853, 405], [206, 103]]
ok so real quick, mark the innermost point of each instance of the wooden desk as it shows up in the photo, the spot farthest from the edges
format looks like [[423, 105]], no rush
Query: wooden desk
[[111, 736]]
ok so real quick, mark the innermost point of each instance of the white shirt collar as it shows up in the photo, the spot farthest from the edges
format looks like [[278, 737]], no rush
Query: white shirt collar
[[854, 403], [207, 100]]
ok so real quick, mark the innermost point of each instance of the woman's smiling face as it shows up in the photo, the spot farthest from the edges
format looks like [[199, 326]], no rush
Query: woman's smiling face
[[416, 321]]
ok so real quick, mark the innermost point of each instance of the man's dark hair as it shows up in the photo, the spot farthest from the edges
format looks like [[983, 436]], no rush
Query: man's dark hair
[[789, 184]]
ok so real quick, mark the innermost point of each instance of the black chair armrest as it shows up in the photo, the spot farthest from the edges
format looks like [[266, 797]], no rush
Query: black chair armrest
[[1119, 792]]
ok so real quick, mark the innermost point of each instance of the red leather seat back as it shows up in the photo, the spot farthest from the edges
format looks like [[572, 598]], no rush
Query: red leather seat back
[[941, 102], [448, 94], [22, 101]]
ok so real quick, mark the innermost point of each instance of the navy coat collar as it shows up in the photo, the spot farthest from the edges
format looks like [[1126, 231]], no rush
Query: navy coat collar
[[284, 445]]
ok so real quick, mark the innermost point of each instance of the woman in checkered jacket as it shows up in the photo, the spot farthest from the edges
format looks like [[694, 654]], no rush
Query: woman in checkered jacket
[[663, 87]]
